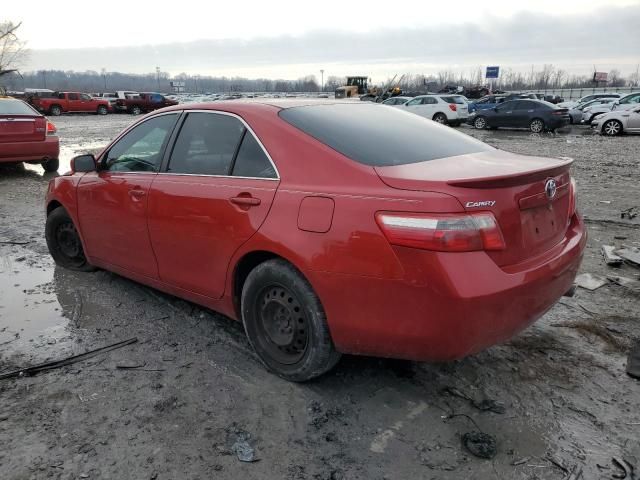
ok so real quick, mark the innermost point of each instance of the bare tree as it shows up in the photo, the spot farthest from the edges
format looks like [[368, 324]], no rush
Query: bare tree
[[12, 49]]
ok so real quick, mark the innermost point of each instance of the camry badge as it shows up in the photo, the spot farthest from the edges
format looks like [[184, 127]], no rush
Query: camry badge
[[550, 188]]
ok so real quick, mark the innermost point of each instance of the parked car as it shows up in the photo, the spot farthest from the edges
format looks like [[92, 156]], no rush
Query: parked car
[[445, 109], [27, 136], [590, 113], [71, 102], [575, 113], [536, 115], [588, 98], [486, 102], [627, 102], [143, 102], [618, 121], [396, 101], [396, 236]]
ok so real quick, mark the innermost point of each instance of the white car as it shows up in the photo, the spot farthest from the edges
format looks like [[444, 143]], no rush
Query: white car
[[618, 121], [396, 101], [446, 109], [575, 113], [588, 98], [627, 102]]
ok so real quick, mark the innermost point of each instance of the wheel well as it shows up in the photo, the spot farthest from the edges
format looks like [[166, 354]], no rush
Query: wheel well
[[52, 206], [55, 105], [242, 270], [439, 113]]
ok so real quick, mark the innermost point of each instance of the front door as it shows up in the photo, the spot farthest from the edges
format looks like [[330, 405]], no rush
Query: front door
[[633, 124], [73, 102], [215, 193], [112, 203]]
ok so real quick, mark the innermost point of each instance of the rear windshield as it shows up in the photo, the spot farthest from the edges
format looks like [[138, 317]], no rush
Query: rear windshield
[[378, 136], [16, 107]]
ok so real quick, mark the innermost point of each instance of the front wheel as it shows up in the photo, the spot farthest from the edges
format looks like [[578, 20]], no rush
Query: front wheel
[[102, 110], [136, 110], [612, 128], [536, 125], [440, 118], [285, 322], [480, 123], [64, 242], [51, 165], [55, 110]]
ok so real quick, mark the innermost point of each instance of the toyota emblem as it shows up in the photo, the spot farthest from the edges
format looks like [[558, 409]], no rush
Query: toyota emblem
[[550, 188]]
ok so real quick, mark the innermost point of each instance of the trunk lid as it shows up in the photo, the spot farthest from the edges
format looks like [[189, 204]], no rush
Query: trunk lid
[[513, 187], [20, 128]]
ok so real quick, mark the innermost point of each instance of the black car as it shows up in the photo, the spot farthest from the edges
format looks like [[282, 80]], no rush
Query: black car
[[536, 115]]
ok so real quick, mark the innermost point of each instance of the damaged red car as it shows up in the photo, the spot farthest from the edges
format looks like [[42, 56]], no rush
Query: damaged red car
[[326, 228]]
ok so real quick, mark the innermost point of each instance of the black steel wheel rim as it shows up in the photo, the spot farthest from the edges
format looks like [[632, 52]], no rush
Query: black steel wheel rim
[[282, 324], [68, 241]]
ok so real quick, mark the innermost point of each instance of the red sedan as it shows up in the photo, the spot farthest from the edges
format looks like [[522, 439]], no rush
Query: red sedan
[[27, 136], [326, 228]]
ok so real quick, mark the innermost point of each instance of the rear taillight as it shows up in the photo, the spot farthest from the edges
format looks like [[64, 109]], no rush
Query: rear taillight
[[442, 232], [572, 199], [558, 112], [453, 107], [51, 128]]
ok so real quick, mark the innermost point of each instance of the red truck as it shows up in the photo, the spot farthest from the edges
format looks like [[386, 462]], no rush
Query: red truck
[[71, 102], [143, 102]]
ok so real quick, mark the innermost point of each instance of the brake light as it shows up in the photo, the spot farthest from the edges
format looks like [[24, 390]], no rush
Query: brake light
[[442, 232], [572, 199], [558, 112], [51, 128], [453, 107]]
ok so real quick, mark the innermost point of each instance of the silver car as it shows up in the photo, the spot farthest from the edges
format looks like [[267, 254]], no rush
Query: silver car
[[618, 121], [396, 101], [575, 113]]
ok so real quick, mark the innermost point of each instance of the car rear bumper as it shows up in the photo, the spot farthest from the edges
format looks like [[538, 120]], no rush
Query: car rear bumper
[[449, 305], [30, 151]]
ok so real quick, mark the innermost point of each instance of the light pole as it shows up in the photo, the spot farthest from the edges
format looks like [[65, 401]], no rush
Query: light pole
[[104, 77], [44, 78], [158, 77], [322, 80]]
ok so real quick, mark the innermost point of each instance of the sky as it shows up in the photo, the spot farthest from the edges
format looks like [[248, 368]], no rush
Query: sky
[[290, 39]]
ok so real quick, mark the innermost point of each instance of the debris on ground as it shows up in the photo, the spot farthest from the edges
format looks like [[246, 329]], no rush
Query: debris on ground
[[611, 258], [625, 282], [479, 444], [633, 362], [626, 467], [486, 405], [629, 213], [243, 450], [66, 361], [522, 461], [631, 254], [589, 281]]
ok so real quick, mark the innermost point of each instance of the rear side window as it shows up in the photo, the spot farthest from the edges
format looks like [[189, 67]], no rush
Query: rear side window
[[16, 107], [251, 160], [457, 100], [379, 136], [206, 144], [73, 96]]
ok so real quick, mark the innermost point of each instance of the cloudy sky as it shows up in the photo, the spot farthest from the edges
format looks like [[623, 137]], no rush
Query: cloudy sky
[[290, 39]]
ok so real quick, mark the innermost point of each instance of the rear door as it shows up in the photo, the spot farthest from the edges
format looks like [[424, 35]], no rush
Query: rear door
[[73, 102], [504, 115], [215, 192]]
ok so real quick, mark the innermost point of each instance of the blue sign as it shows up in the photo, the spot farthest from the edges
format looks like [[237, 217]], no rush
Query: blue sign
[[492, 72]]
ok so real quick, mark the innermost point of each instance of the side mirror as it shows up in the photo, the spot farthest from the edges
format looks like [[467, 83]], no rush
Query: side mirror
[[83, 163]]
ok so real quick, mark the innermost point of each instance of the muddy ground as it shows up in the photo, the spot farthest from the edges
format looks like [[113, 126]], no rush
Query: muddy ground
[[193, 387]]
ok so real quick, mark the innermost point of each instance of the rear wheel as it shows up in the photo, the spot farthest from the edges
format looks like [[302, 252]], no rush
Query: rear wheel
[[51, 165], [136, 110], [612, 128], [536, 125], [480, 123], [64, 242], [102, 110], [440, 118], [285, 322], [55, 110]]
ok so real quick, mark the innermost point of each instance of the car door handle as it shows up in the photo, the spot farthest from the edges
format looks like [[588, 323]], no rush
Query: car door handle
[[137, 193], [245, 201]]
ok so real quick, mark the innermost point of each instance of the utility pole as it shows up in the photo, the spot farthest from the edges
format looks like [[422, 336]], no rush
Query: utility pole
[[104, 77], [322, 80], [44, 77], [158, 77]]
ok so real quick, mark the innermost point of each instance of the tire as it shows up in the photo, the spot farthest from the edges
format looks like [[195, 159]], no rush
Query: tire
[[51, 165], [611, 128], [285, 322], [102, 110], [55, 110], [136, 110], [64, 242], [536, 126], [440, 118], [480, 123]]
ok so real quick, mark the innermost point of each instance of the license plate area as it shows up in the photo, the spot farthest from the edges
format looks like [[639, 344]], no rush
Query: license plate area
[[542, 226]]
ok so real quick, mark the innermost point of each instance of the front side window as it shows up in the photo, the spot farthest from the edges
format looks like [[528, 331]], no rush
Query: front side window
[[206, 144], [415, 101], [84, 96], [430, 101], [140, 150]]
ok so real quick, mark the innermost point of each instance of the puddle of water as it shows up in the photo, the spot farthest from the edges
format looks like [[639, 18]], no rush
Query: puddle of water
[[30, 314], [68, 152]]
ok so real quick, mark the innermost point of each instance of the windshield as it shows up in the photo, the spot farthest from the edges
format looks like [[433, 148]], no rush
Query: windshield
[[16, 107]]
